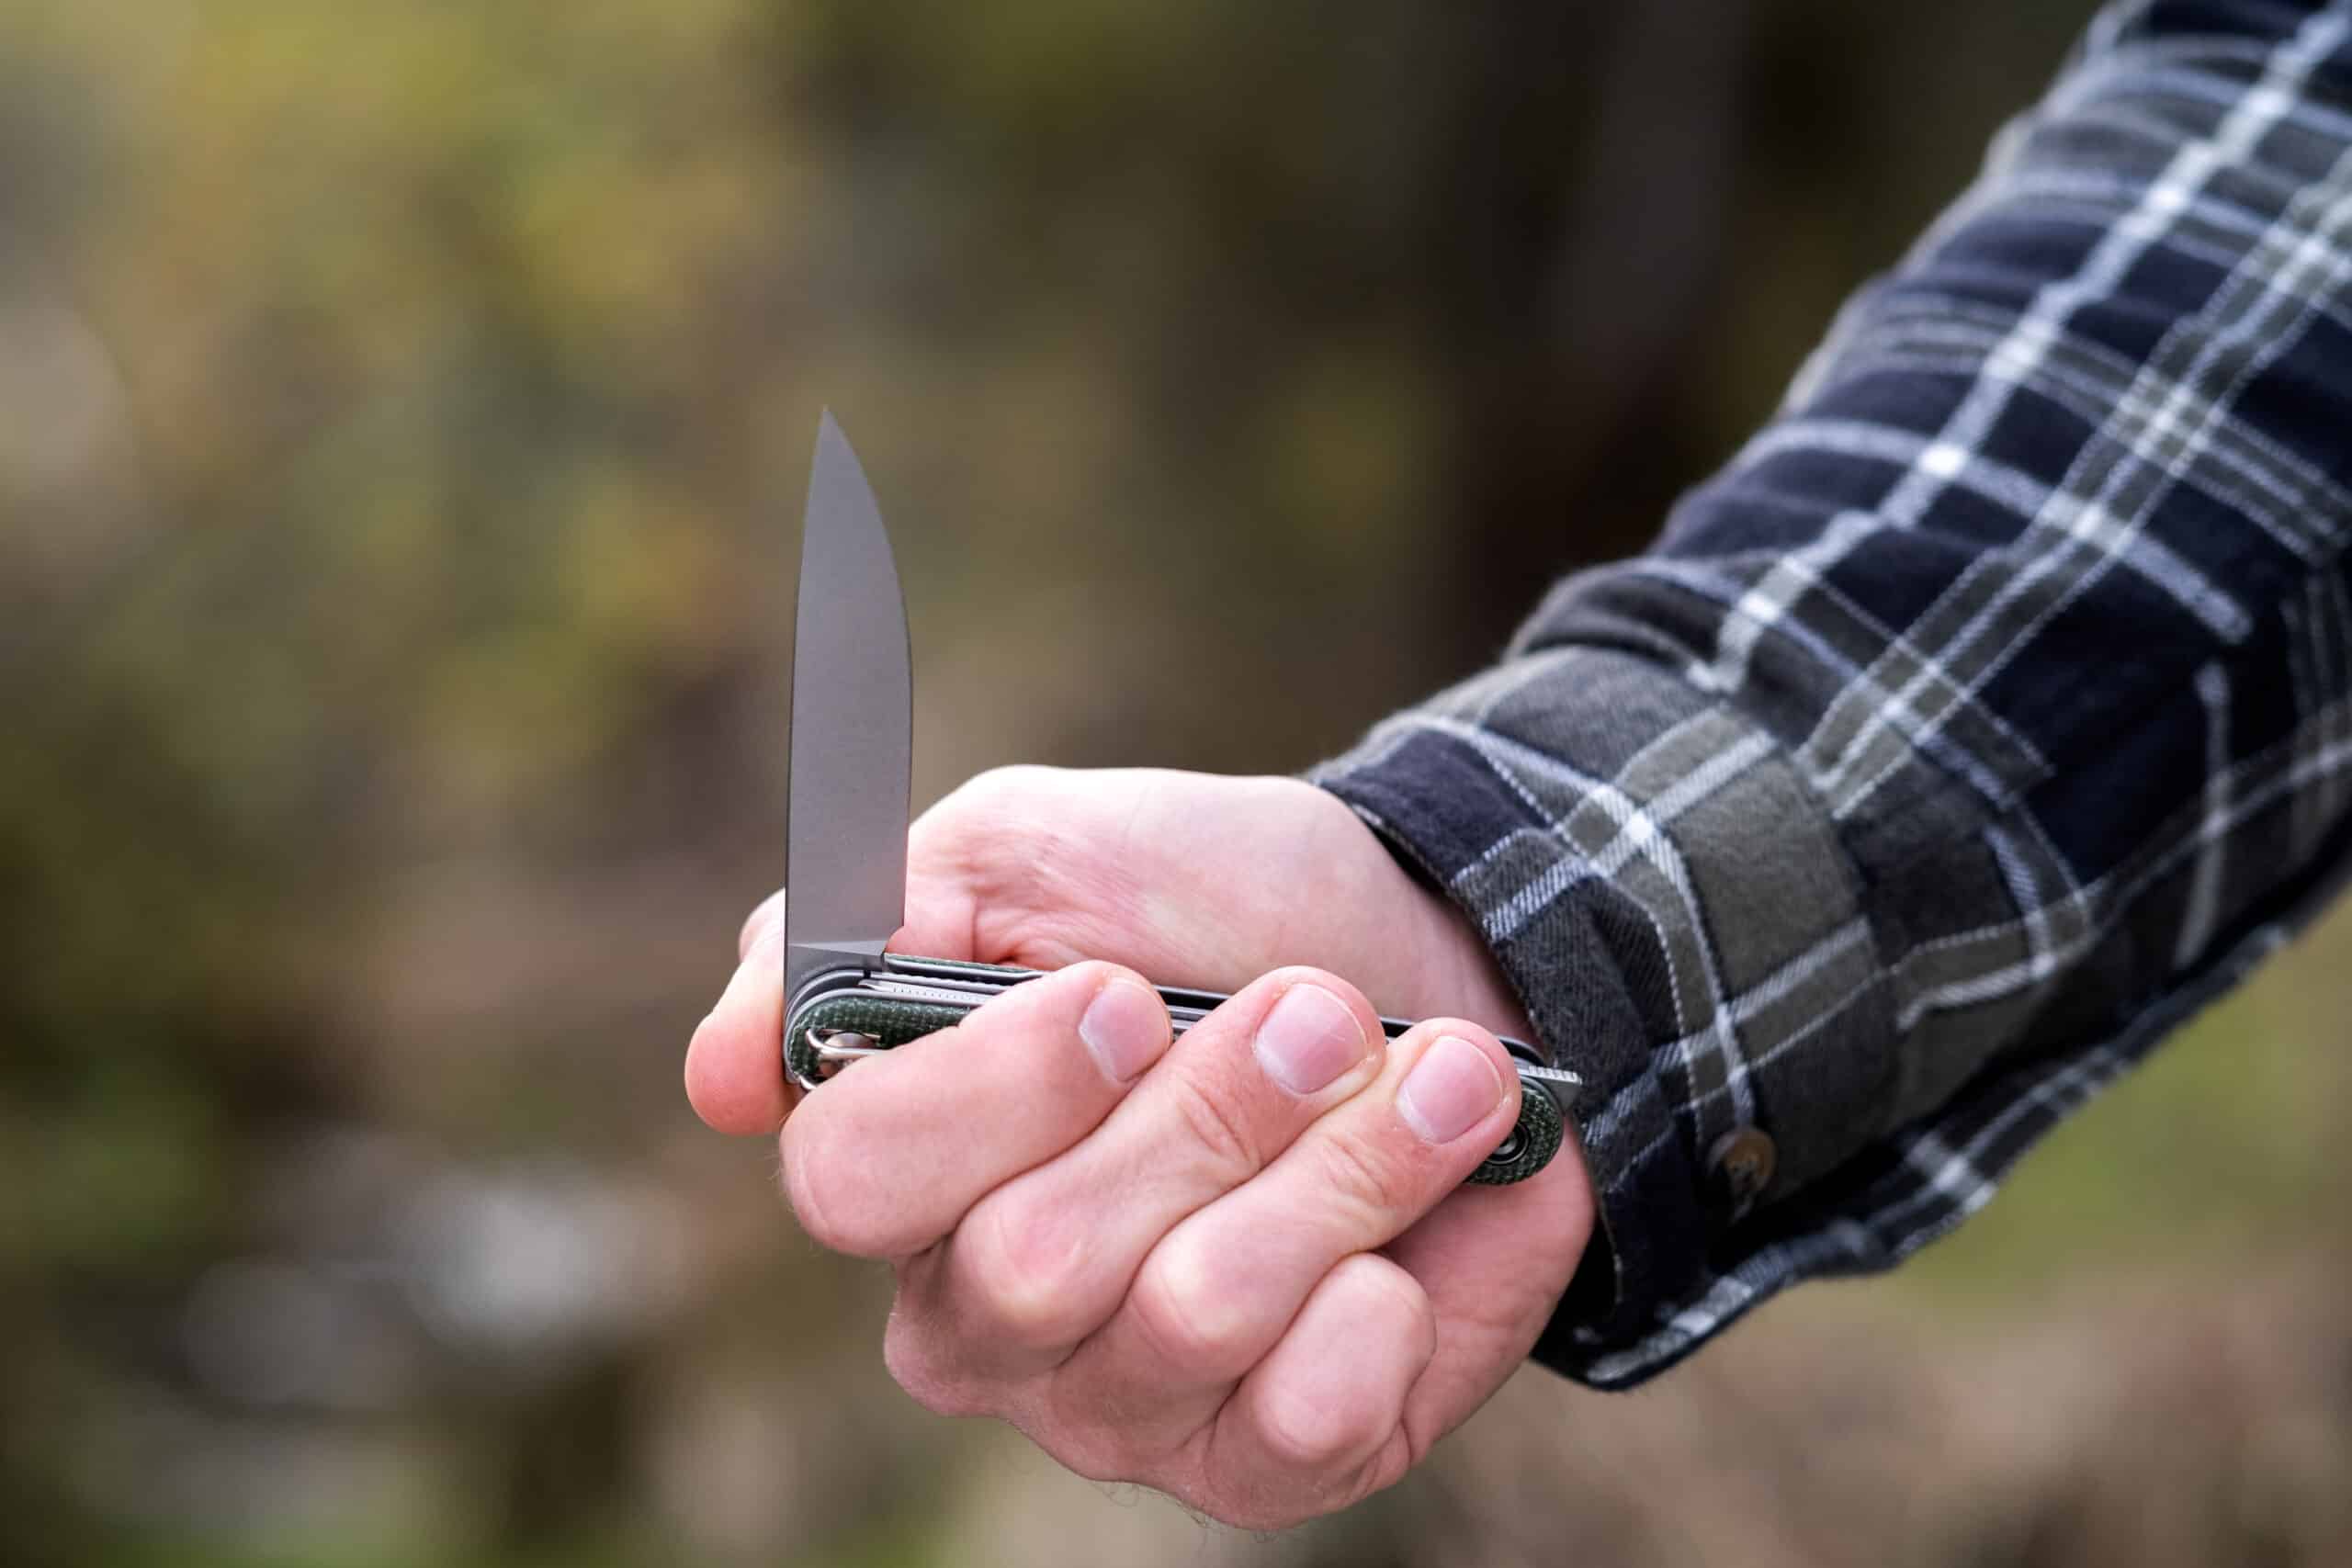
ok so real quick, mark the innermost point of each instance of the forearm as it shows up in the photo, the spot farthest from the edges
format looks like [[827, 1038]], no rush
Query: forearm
[[1985, 714]]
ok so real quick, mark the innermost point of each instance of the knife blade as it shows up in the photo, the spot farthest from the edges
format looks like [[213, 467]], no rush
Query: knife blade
[[853, 727]]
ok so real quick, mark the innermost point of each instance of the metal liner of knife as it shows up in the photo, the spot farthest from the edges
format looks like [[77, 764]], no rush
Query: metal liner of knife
[[845, 877]]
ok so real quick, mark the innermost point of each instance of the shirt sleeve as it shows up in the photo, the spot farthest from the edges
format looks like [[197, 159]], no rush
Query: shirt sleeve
[[1982, 718]]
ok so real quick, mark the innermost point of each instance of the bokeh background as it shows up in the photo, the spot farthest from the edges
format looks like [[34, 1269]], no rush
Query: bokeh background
[[405, 407]]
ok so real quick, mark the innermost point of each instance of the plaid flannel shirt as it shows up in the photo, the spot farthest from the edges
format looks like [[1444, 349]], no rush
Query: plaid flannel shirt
[[1990, 711]]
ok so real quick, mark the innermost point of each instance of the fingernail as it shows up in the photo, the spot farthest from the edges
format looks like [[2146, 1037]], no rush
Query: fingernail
[[1310, 1038], [1126, 1028], [1449, 1091]]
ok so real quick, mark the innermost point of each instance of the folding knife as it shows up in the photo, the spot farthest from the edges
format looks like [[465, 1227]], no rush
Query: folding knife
[[853, 712]]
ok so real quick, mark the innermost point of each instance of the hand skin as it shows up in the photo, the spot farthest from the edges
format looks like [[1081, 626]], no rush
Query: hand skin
[[1161, 1261]]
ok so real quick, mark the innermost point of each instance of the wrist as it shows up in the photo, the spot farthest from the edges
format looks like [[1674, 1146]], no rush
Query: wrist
[[1454, 971]]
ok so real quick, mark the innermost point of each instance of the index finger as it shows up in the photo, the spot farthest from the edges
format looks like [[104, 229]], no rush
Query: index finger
[[887, 1159], [735, 1061]]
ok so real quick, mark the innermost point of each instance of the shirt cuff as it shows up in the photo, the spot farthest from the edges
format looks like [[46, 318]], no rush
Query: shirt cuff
[[1648, 872]]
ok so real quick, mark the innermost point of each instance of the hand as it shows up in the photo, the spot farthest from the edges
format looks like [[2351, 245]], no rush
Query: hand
[[1240, 1266]]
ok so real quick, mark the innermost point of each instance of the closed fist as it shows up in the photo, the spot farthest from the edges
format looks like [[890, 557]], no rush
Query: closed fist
[[1236, 1265]]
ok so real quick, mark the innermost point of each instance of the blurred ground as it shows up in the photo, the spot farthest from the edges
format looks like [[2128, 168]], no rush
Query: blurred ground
[[402, 414]]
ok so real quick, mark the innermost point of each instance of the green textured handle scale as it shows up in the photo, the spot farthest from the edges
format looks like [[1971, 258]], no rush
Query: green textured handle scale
[[883, 1021]]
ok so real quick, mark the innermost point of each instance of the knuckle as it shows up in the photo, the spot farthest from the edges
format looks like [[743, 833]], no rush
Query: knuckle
[[1096, 1453], [1303, 1435], [828, 1209], [1011, 842], [980, 809], [1108, 1431], [1214, 1129], [1012, 781], [988, 788], [1386, 1467], [1276, 1492], [1418, 1312], [915, 1362], [1365, 1177], [964, 829], [1022, 1265], [802, 1185], [1188, 1316]]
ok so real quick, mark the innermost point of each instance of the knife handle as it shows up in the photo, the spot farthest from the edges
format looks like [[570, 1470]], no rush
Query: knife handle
[[837, 1018]]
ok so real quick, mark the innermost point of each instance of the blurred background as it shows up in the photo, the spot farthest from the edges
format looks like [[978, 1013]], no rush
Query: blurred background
[[404, 408]]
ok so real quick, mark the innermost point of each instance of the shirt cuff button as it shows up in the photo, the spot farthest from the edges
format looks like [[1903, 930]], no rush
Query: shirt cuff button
[[1741, 1163]]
